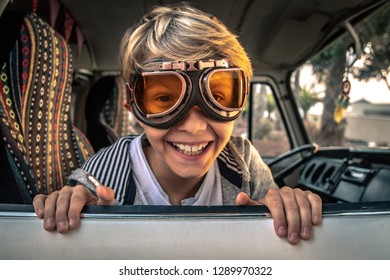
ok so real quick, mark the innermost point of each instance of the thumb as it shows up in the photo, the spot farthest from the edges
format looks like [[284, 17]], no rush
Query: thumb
[[244, 199], [105, 195]]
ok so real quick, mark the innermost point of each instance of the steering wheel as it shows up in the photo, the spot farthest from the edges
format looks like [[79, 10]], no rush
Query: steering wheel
[[307, 151]]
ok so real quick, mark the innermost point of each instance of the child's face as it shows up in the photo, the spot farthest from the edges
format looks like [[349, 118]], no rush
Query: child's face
[[187, 110], [188, 149]]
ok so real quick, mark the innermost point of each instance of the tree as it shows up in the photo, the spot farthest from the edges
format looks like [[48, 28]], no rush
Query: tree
[[375, 33], [270, 104], [308, 98], [329, 67]]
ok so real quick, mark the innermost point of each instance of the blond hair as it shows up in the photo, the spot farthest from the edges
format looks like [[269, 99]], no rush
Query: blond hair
[[179, 32]]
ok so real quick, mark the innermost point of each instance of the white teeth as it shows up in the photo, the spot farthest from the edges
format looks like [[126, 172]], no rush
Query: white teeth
[[190, 149]]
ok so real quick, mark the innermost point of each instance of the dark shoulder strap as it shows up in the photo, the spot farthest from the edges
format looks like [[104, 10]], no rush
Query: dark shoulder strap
[[229, 167], [130, 191]]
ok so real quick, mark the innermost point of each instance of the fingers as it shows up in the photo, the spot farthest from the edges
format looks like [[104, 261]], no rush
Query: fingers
[[39, 205], [69, 205], [106, 195], [61, 209], [49, 222], [294, 212], [244, 199], [305, 214], [273, 200], [81, 197], [316, 208]]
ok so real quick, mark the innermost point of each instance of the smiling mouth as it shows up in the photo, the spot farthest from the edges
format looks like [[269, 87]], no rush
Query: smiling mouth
[[190, 150]]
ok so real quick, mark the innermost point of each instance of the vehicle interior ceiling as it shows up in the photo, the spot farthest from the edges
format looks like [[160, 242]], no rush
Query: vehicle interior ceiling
[[279, 36]]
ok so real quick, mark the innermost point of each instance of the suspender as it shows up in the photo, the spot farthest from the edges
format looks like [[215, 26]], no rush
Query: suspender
[[130, 191]]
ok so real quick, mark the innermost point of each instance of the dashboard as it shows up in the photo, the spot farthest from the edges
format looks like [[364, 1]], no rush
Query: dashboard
[[348, 175]]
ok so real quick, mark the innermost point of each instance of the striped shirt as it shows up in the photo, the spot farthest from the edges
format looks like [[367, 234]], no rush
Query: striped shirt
[[240, 165]]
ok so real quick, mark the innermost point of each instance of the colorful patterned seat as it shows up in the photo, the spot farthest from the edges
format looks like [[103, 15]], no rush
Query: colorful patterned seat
[[38, 141]]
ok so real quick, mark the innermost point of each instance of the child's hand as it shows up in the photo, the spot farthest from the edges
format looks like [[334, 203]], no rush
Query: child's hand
[[294, 211], [61, 209]]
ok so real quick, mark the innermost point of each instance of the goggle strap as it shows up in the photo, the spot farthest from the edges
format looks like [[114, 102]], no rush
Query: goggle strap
[[189, 65], [129, 93]]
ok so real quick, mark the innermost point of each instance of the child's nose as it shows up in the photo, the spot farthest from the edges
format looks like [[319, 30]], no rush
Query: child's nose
[[194, 121]]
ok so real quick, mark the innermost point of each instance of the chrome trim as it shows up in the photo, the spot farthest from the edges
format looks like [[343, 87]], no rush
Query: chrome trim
[[191, 215]]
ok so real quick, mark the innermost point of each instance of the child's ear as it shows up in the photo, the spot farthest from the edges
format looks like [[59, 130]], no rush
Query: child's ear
[[126, 105]]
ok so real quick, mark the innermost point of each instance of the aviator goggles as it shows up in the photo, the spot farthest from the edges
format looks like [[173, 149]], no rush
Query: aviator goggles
[[164, 92]]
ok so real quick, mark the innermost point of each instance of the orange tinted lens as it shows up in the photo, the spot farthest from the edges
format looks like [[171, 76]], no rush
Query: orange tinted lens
[[226, 87], [158, 93]]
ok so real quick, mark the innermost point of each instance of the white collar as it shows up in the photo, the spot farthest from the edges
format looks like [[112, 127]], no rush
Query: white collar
[[150, 191]]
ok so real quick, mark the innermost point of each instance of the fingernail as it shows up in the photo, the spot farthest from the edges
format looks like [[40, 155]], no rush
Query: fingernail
[[306, 232], [49, 222], [72, 223], [62, 227], [105, 191], [293, 237], [282, 231], [317, 219], [40, 213]]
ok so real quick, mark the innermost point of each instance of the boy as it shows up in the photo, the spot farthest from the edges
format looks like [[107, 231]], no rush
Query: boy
[[187, 79]]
